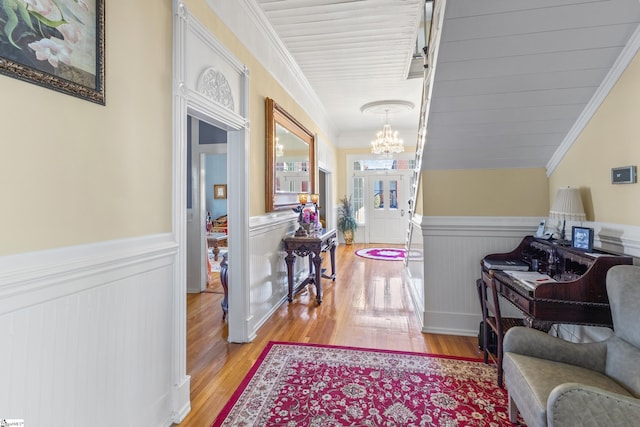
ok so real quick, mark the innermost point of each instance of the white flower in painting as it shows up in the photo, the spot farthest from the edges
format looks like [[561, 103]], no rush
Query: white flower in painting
[[53, 50], [84, 4], [43, 7], [71, 32]]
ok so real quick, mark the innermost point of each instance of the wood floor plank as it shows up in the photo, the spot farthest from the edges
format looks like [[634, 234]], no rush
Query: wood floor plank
[[367, 306]]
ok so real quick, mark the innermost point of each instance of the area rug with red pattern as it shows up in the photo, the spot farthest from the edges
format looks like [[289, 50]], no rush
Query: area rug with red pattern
[[387, 254], [294, 384]]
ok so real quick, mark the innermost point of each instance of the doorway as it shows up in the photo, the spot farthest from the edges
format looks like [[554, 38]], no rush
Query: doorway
[[380, 190], [324, 190], [206, 170]]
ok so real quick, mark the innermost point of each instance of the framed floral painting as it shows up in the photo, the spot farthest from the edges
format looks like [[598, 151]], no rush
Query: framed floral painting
[[58, 44]]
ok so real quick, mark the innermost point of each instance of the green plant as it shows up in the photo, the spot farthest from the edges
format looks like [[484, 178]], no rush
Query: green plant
[[346, 218]]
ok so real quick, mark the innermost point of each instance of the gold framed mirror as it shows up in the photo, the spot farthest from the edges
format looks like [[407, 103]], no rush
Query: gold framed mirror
[[291, 162]]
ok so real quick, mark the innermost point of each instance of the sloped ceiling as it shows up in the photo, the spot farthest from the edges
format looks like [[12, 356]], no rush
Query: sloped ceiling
[[514, 76], [511, 80]]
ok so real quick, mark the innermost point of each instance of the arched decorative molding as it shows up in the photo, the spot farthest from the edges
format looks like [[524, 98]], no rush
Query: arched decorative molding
[[214, 85]]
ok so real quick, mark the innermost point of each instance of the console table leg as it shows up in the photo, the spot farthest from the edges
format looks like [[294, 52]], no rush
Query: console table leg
[[290, 259], [332, 254], [317, 266]]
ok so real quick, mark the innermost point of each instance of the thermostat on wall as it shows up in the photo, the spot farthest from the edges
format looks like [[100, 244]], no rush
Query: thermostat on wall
[[623, 175]]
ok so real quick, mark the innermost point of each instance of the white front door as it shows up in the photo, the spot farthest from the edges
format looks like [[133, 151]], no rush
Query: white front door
[[387, 200]]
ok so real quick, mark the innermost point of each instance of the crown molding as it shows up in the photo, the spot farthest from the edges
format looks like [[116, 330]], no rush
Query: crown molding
[[620, 65], [265, 45]]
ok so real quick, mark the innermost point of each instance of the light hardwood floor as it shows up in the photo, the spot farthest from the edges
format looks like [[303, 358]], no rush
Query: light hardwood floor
[[367, 306]]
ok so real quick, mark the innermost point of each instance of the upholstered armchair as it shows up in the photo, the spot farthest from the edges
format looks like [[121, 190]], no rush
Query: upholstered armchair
[[553, 382]]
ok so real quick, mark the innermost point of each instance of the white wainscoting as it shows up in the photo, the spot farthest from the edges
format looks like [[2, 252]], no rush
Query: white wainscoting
[[414, 267], [86, 335], [268, 277], [453, 248]]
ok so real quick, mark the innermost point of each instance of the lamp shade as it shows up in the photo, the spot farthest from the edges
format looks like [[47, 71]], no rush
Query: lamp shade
[[568, 205]]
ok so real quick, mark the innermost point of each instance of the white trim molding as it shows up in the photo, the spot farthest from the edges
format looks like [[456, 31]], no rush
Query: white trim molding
[[196, 49], [621, 64], [265, 45], [617, 238]]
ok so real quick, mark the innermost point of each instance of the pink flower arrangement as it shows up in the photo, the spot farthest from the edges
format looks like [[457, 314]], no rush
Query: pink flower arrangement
[[309, 216]]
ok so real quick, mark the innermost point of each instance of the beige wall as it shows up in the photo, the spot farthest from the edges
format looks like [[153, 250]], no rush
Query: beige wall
[[611, 139], [261, 85], [75, 172], [485, 192]]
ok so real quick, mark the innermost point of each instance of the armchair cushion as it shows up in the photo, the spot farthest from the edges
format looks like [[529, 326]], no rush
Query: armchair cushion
[[533, 379], [578, 405]]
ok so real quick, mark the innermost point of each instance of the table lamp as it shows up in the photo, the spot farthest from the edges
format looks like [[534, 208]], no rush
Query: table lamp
[[567, 206]]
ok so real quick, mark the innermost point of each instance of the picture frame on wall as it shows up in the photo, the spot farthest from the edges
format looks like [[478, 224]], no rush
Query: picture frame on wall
[[220, 191], [56, 44]]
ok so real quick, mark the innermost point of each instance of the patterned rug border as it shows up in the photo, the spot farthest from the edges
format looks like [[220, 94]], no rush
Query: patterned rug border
[[247, 379], [363, 253]]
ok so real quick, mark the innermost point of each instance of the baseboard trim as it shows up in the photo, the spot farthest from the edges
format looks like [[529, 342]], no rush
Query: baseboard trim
[[182, 400], [450, 323]]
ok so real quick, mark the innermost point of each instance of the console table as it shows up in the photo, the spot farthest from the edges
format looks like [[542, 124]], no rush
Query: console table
[[310, 246]]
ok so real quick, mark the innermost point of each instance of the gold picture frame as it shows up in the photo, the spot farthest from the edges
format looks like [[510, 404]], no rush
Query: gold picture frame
[[220, 191]]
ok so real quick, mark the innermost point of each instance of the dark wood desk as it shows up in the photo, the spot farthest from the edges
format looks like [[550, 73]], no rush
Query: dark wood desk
[[578, 295], [310, 246]]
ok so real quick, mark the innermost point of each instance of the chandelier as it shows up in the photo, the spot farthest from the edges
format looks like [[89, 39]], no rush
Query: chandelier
[[387, 141]]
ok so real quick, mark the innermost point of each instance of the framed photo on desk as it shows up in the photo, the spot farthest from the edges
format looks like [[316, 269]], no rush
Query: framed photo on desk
[[582, 238]]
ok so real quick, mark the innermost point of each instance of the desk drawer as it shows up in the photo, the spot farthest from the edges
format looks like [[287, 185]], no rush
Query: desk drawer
[[514, 297]]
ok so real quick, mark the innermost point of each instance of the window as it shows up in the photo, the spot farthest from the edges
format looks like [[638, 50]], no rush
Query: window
[[383, 165], [358, 198]]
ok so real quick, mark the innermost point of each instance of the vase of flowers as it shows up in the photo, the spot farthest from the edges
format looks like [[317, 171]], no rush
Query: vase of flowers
[[309, 219]]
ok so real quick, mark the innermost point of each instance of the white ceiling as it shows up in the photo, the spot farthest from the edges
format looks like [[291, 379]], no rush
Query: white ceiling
[[353, 52], [512, 77]]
